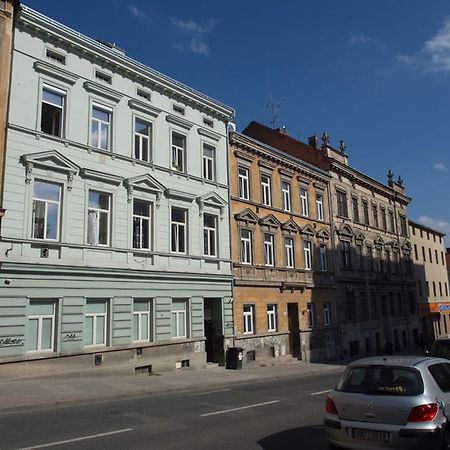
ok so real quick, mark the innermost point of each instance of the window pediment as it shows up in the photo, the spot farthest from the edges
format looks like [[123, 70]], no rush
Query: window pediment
[[345, 232], [144, 183], [208, 134], [406, 247], [102, 91], [308, 230], [290, 226], [247, 216], [324, 234], [359, 238], [55, 72], [379, 242], [270, 221], [101, 176], [212, 199], [180, 122], [143, 107], [181, 195]]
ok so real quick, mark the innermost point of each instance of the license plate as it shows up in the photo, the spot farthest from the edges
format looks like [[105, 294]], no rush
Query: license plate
[[370, 435]]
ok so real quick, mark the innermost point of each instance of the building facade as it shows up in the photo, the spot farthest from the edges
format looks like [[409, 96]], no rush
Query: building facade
[[284, 293], [115, 249], [374, 272], [431, 276]]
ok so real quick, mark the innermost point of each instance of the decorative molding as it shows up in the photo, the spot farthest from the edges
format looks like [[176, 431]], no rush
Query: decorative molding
[[286, 173], [323, 234], [244, 155], [144, 183], [213, 200], [103, 91], [208, 134], [270, 221], [185, 196], [345, 232], [55, 72], [180, 122], [101, 176], [290, 226], [308, 230], [144, 107], [247, 216], [267, 164]]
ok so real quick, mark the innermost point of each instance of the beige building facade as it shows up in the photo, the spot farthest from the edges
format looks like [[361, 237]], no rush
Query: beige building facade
[[431, 280], [283, 293]]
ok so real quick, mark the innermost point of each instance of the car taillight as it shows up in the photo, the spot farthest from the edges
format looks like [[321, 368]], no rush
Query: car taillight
[[423, 413], [330, 406]]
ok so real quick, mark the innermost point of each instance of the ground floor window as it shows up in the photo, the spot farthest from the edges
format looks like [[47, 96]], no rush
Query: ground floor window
[[142, 320], [41, 326], [179, 318], [249, 319], [271, 317], [96, 331]]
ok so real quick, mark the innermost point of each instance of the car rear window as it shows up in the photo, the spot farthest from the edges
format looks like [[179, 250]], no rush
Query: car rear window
[[441, 374], [381, 380]]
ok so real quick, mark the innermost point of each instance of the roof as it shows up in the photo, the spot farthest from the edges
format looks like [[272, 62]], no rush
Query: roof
[[395, 360], [425, 228], [288, 144]]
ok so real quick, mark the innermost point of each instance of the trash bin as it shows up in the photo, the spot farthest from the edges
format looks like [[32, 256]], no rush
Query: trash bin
[[234, 358]]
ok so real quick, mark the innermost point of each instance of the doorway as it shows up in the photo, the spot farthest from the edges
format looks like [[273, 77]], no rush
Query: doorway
[[294, 330], [214, 338]]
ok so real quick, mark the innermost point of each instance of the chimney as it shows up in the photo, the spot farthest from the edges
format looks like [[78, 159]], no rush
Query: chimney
[[282, 130], [313, 141]]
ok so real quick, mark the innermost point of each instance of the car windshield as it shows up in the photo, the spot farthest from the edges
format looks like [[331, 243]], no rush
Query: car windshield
[[381, 380]]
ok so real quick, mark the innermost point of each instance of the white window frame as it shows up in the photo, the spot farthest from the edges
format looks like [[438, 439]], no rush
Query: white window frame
[[210, 235], [249, 318], [266, 190], [310, 315], [327, 314], [46, 203], [269, 253], [307, 254], [246, 246], [142, 222], [209, 163], [94, 323], [63, 94], [319, 206], [323, 257], [244, 182], [178, 228], [289, 252], [98, 212], [272, 317], [99, 125], [180, 315], [140, 315], [286, 195], [178, 154], [140, 139], [40, 318], [304, 200]]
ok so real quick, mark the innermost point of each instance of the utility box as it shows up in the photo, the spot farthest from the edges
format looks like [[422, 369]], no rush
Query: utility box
[[234, 358]]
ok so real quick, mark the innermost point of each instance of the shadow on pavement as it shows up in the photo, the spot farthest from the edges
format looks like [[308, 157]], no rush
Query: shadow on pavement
[[307, 438]]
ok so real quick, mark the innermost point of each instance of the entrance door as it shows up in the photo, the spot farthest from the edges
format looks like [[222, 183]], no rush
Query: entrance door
[[213, 330], [294, 330]]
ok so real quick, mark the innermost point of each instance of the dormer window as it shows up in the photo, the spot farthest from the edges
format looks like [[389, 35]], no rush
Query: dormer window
[[179, 109], [55, 56], [103, 77]]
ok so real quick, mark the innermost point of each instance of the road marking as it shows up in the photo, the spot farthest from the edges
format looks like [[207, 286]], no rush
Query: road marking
[[82, 438], [321, 392], [238, 409], [209, 392]]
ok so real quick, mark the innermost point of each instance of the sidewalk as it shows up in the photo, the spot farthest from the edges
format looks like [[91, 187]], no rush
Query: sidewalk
[[45, 392]]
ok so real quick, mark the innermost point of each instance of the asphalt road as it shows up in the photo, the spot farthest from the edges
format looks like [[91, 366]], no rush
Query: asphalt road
[[271, 415]]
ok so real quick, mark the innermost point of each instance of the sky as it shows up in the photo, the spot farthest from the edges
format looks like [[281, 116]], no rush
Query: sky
[[374, 73]]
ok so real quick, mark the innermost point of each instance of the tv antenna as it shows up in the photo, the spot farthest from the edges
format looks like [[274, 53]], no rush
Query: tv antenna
[[274, 108]]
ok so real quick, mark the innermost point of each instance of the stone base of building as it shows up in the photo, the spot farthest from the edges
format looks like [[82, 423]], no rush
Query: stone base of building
[[151, 359]]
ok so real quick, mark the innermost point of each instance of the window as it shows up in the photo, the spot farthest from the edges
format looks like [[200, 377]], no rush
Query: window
[[179, 109], [209, 235], [141, 224], [46, 210], [307, 253], [434, 288], [375, 215], [178, 230], [323, 257], [403, 226], [289, 248], [311, 317], [304, 201], [271, 317], [415, 252], [441, 372], [286, 194], [345, 254], [55, 56], [436, 256], [440, 288], [99, 220], [104, 77], [266, 191], [208, 122], [179, 318], [246, 246], [430, 256], [350, 310], [244, 183], [141, 320], [52, 111], [101, 127], [268, 250], [423, 254], [142, 139], [143, 94], [366, 212], [41, 326], [249, 319], [392, 221], [341, 198], [383, 219], [355, 209], [96, 330], [327, 314], [178, 151], [319, 206], [209, 156]]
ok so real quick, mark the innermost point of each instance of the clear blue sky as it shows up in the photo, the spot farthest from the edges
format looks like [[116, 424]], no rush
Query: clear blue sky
[[374, 73]]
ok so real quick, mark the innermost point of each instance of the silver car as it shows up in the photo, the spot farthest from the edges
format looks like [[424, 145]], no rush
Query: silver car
[[391, 402]]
